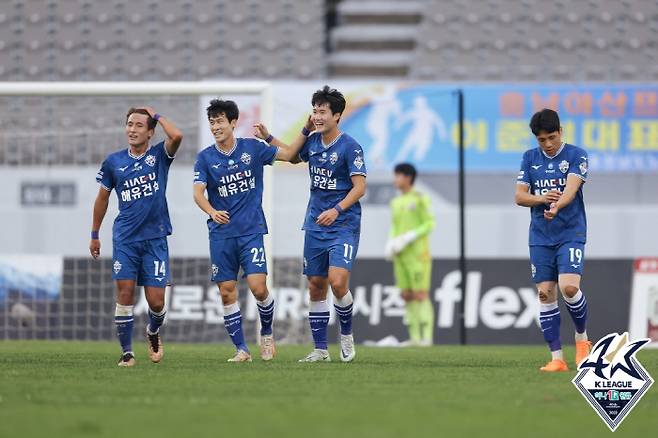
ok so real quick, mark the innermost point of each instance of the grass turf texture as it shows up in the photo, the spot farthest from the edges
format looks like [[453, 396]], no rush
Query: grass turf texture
[[72, 389]]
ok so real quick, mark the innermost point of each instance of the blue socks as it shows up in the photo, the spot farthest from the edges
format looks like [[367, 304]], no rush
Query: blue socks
[[266, 313], [577, 307], [233, 324], [318, 317], [549, 320], [156, 319], [343, 307], [123, 318]]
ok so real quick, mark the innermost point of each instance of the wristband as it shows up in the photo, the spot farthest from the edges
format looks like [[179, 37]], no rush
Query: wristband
[[156, 117], [338, 208], [269, 139], [305, 132], [94, 234]]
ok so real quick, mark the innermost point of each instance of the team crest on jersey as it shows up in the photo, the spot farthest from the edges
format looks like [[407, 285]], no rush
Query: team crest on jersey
[[358, 162], [333, 158], [583, 168], [564, 166], [611, 378], [245, 158], [150, 160], [117, 267]]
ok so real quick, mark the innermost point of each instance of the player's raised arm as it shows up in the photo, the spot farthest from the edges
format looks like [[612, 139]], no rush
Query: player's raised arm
[[286, 152], [174, 135], [100, 208]]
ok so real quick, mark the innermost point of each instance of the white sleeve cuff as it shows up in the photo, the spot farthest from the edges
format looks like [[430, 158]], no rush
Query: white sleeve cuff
[[523, 182], [104, 186], [578, 175]]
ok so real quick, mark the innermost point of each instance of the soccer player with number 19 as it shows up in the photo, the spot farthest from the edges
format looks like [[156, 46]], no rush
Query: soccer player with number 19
[[550, 183], [139, 235]]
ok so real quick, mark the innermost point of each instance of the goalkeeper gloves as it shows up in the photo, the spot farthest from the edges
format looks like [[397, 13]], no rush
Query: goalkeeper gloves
[[395, 245]]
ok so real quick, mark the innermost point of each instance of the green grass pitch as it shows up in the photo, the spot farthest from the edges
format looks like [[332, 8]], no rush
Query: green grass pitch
[[74, 389]]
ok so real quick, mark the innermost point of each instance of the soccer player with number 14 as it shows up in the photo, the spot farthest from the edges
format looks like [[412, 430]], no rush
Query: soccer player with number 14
[[139, 235]]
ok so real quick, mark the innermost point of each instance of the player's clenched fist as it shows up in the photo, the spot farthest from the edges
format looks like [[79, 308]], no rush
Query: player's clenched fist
[[95, 248], [220, 216]]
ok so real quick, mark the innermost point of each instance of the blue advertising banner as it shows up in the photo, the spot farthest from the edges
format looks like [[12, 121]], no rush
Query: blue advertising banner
[[616, 123]]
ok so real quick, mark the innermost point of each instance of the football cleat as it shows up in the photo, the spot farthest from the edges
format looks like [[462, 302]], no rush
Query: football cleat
[[583, 348], [267, 348], [154, 343], [241, 356], [127, 360], [317, 356], [555, 365], [347, 351]]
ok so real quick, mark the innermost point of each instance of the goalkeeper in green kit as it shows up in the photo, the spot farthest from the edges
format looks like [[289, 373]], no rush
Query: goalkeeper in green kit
[[408, 246]]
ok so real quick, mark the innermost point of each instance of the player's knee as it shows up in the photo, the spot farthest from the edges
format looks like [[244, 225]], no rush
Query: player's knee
[[421, 295], [125, 296], [260, 292], [569, 290], [316, 285], [339, 283], [407, 295], [227, 293], [543, 296]]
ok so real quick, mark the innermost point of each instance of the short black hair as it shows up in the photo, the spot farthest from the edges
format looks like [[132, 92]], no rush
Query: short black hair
[[226, 107], [406, 169], [150, 121], [330, 96], [545, 120]]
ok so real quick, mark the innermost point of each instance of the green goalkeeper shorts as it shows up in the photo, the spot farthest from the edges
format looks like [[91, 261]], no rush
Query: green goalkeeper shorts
[[414, 275]]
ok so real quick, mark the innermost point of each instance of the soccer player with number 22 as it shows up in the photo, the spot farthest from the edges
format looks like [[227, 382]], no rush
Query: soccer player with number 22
[[139, 235]]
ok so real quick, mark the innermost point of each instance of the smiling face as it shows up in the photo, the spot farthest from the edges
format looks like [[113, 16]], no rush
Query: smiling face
[[323, 119], [550, 142], [221, 128], [137, 130]]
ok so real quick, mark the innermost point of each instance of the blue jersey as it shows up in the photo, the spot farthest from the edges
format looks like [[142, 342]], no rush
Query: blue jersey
[[234, 181], [543, 174], [330, 168], [141, 185]]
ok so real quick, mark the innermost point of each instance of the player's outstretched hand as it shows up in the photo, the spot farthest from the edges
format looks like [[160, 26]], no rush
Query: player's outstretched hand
[[95, 248], [220, 216], [552, 196], [260, 131], [327, 217], [552, 212]]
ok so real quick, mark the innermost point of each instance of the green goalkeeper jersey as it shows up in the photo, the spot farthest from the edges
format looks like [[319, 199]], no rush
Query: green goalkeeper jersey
[[412, 211]]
